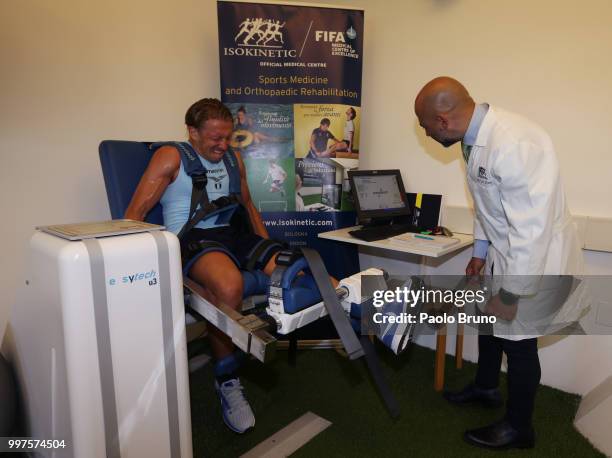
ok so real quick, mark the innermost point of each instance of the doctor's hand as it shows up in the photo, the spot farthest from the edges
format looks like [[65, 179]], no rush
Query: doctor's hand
[[496, 307], [474, 267]]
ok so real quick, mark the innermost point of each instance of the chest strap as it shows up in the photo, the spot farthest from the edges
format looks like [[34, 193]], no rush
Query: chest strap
[[201, 207]]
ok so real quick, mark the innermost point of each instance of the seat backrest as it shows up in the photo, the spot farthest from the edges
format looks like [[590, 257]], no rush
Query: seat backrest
[[123, 164]]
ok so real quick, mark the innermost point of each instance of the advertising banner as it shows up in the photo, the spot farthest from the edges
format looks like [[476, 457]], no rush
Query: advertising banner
[[291, 76]]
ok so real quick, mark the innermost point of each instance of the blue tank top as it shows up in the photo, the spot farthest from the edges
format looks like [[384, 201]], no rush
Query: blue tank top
[[176, 200]]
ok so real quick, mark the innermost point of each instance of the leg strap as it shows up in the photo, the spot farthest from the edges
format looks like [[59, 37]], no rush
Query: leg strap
[[261, 254], [355, 347]]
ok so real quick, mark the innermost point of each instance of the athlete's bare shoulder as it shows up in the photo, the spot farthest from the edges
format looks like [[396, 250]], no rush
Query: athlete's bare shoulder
[[165, 162]]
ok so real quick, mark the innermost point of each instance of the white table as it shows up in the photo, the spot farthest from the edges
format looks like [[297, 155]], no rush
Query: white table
[[342, 235]]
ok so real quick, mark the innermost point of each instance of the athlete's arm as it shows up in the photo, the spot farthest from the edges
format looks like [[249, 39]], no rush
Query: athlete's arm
[[254, 215], [161, 171]]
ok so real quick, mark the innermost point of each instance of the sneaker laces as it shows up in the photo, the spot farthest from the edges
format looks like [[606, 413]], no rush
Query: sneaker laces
[[232, 391]]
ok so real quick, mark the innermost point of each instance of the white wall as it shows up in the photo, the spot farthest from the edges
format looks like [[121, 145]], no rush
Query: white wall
[[75, 72], [545, 59]]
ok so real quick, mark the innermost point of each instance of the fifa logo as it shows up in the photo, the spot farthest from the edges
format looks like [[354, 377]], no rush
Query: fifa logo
[[264, 33], [335, 37]]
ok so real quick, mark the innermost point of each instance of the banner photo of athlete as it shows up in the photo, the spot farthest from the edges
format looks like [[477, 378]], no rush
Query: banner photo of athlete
[[291, 76], [263, 134]]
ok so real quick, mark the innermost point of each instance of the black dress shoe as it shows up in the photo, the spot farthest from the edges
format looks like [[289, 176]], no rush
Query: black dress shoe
[[500, 435], [489, 398]]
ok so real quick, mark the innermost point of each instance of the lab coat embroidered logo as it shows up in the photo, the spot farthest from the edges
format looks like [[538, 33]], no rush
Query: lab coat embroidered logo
[[482, 173]]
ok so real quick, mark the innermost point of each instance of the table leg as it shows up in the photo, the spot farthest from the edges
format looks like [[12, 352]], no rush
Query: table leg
[[440, 359], [440, 342], [459, 347]]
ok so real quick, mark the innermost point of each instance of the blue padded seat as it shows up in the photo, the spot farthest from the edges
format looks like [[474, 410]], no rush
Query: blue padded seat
[[123, 164]]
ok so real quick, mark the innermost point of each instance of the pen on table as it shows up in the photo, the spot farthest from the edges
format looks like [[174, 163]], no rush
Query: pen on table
[[423, 237]]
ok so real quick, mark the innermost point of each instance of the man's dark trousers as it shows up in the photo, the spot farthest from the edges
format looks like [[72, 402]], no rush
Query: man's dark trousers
[[523, 374]]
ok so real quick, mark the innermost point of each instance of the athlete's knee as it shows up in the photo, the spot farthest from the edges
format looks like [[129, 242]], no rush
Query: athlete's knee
[[220, 277], [229, 290]]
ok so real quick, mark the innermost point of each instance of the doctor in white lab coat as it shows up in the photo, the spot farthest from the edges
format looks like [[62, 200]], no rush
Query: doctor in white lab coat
[[521, 210], [525, 238]]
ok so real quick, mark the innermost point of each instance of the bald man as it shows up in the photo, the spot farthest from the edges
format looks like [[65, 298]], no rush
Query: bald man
[[522, 230]]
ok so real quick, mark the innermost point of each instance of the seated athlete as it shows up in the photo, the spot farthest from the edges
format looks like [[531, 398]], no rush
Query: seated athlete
[[214, 250], [319, 140], [346, 145]]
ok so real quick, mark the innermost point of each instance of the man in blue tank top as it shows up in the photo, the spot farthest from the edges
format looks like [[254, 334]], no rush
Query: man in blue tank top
[[214, 250]]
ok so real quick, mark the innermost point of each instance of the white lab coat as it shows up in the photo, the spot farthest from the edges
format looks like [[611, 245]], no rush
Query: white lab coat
[[520, 207]]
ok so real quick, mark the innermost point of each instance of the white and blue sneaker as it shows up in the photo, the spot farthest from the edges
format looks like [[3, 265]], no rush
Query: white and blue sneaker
[[237, 413]]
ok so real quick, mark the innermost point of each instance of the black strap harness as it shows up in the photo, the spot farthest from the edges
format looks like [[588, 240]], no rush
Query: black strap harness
[[201, 207]]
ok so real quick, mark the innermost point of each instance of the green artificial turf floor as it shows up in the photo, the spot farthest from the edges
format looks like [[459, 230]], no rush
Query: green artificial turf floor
[[341, 391]]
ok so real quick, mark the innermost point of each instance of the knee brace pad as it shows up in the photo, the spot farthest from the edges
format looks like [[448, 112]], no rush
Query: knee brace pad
[[290, 292]]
